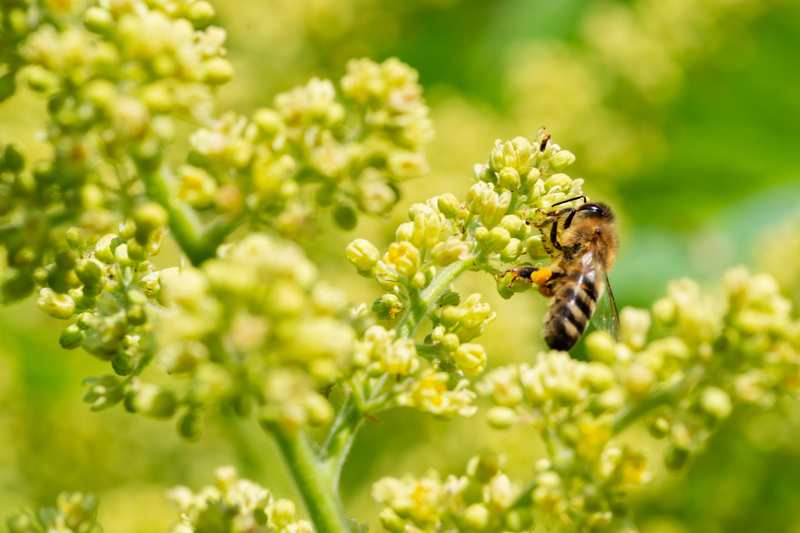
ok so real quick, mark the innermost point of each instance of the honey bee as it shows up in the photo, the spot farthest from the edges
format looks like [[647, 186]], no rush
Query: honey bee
[[586, 239]]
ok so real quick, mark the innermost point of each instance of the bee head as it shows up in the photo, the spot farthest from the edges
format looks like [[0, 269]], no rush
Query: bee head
[[597, 210]]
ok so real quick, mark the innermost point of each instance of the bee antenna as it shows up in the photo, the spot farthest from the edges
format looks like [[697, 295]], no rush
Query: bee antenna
[[581, 197]]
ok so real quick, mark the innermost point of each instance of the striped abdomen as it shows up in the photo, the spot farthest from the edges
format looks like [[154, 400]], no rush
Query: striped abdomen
[[573, 303]]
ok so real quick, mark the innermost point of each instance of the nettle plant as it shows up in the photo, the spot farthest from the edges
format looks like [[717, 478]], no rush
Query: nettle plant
[[138, 152]]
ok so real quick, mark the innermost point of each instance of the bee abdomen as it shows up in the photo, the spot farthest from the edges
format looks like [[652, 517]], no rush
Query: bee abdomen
[[569, 314]]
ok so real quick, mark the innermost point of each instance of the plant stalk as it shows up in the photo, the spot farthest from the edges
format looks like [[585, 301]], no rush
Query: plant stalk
[[349, 419], [197, 241], [312, 478]]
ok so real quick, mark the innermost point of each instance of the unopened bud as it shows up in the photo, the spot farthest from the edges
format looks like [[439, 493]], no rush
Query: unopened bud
[[362, 254]]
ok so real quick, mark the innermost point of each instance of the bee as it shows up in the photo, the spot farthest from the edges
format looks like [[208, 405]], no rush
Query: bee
[[585, 238]]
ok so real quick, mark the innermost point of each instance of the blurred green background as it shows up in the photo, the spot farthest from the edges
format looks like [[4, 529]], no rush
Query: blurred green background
[[683, 114]]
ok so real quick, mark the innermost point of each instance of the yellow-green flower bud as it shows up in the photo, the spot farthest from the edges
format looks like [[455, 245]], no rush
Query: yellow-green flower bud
[[488, 204], [318, 409], [152, 400], [448, 205], [218, 71], [598, 376], [55, 304], [149, 217], [450, 342], [664, 310], [268, 121], [345, 216], [601, 347], [498, 238], [387, 307], [375, 195], [634, 325], [716, 402], [89, 271], [101, 93], [419, 280], [508, 178], [40, 79], [516, 153], [98, 19], [391, 521], [428, 225], [448, 251], [190, 425], [105, 248], [500, 491], [71, 337], [282, 512], [639, 379], [201, 13], [512, 251], [659, 427], [404, 257], [514, 225], [476, 516], [561, 160], [401, 358], [562, 181], [501, 417], [470, 358], [362, 254], [535, 247], [405, 165]]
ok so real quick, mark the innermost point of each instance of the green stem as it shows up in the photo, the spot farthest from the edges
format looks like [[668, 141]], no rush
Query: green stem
[[312, 478], [427, 299], [197, 242], [350, 419], [340, 439]]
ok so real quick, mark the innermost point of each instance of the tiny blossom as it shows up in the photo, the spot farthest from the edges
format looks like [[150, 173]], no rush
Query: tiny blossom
[[484, 232], [73, 513], [236, 505], [260, 300], [430, 392], [666, 360], [482, 498]]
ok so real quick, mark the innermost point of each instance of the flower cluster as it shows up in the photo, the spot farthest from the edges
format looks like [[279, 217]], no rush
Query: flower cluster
[[482, 499], [682, 367], [116, 76], [498, 224], [235, 505], [106, 284], [73, 513], [315, 148], [81, 225], [254, 327]]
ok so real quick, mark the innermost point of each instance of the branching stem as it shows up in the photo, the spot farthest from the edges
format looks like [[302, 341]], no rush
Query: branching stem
[[312, 478]]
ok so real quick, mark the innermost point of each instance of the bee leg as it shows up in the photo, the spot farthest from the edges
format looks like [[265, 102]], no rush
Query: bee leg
[[522, 272], [570, 216], [536, 275], [554, 235], [547, 287]]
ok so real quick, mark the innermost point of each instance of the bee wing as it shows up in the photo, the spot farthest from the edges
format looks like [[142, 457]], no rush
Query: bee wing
[[606, 316]]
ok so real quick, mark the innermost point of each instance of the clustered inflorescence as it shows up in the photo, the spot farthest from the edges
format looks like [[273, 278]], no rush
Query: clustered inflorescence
[[682, 367], [235, 504], [122, 80], [73, 513], [495, 226], [247, 326]]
